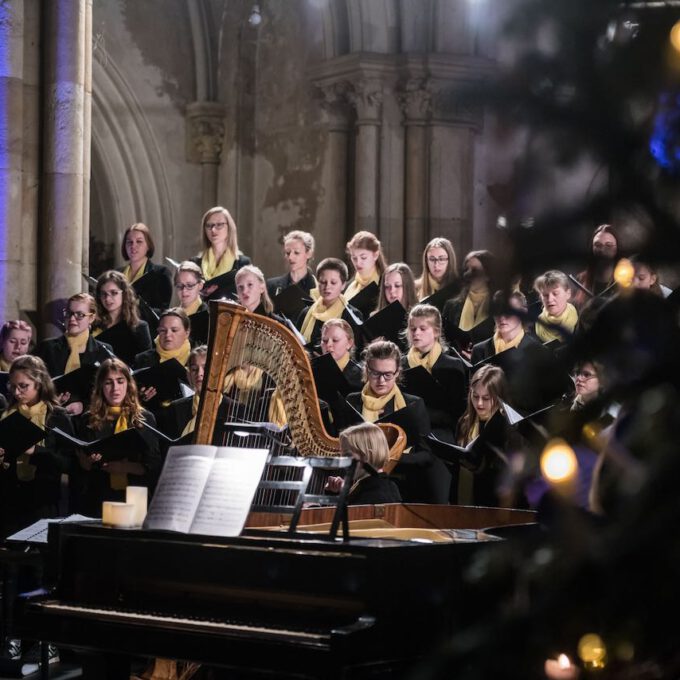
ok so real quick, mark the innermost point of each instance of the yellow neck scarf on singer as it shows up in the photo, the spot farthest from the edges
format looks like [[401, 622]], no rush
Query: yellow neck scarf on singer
[[433, 283], [343, 361], [245, 380], [212, 267], [77, 345], [500, 345], [319, 312], [37, 414], [193, 307], [359, 283], [4, 365], [475, 310], [427, 361], [373, 406], [118, 481], [127, 272], [567, 320], [181, 353], [189, 427]]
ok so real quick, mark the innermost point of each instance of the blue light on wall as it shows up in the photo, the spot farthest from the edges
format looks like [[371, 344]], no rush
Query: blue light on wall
[[664, 144]]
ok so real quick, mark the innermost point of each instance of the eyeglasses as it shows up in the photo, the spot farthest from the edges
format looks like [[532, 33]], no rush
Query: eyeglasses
[[384, 375], [438, 260], [216, 225], [109, 293], [21, 387], [185, 286], [78, 315], [586, 375]]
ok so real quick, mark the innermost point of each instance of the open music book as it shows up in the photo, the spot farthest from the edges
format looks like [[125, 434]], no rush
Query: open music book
[[206, 489]]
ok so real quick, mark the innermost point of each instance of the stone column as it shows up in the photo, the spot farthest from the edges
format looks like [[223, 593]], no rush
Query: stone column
[[332, 215], [87, 133], [205, 137], [64, 150], [416, 101], [367, 97], [11, 147]]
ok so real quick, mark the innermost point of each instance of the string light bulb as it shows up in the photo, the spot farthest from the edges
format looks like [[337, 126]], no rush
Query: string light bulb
[[675, 36], [255, 18], [592, 651], [559, 465], [624, 273]]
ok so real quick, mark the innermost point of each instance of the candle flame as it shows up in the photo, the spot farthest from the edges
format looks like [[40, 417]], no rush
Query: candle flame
[[558, 462]]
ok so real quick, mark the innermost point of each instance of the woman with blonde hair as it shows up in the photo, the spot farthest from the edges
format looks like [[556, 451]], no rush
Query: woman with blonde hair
[[365, 252], [298, 249], [337, 339], [251, 290], [440, 267], [15, 341], [220, 254]]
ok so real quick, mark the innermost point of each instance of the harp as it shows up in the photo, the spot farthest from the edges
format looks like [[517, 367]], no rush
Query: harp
[[238, 337]]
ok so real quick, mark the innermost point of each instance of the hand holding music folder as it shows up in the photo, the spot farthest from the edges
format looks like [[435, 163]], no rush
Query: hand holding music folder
[[123, 341], [200, 322], [224, 286], [366, 300], [406, 418], [18, 434], [441, 297], [463, 340], [166, 377], [291, 301], [126, 444]]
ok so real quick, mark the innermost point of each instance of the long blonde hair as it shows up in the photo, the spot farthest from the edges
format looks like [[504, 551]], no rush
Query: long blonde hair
[[493, 378], [367, 442], [232, 238]]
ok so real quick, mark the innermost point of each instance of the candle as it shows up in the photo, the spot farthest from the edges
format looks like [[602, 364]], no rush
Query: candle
[[138, 496], [118, 514], [561, 668]]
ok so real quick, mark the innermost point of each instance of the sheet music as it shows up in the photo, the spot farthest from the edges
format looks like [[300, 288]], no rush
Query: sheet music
[[37, 532], [229, 492]]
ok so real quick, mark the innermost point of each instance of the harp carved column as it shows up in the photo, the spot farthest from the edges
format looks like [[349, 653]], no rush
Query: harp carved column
[[205, 138]]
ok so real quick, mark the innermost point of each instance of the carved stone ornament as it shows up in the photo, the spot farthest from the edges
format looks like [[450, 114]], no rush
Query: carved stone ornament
[[415, 100], [205, 132], [367, 97]]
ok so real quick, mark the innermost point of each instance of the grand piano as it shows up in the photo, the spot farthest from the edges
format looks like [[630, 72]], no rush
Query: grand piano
[[268, 601]]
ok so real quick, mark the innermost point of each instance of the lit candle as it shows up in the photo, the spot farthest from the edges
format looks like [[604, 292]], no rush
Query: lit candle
[[118, 514], [138, 496], [561, 668]]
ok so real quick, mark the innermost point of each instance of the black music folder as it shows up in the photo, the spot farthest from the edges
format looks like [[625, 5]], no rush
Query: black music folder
[[441, 297], [389, 323], [464, 339], [18, 433], [4, 383], [329, 379], [226, 286], [366, 300], [79, 382], [200, 323], [291, 301], [125, 444], [406, 418], [442, 393], [469, 456], [123, 341], [167, 377]]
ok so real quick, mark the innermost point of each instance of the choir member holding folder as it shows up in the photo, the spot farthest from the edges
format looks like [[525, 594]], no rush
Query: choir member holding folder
[[221, 258], [115, 408], [75, 352], [118, 321], [151, 282], [30, 472], [15, 341], [331, 303], [440, 267], [365, 252], [298, 249], [381, 400], [189, 282], [337, 339], [398, 285]]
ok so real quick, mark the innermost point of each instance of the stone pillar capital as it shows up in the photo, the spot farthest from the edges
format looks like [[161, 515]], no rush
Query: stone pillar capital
[[335, 105], [415, 99], [366, 96], [205, 132]]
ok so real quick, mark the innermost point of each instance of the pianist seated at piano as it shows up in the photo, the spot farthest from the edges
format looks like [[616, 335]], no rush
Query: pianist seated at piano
[[30, 484], [114, 407], [416, 474], [367, 443]]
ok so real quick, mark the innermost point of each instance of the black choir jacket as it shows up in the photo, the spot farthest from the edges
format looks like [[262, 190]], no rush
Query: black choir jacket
[[55, 352], [279, 283], [316, 332], [154, 287]]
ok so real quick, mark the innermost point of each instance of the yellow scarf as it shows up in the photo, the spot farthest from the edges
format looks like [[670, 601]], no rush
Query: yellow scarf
[[433, 283], [127, 272], [277, 413], [189, 427], [427, 361], [212, 267], [37, 414], [373, 406], [475, 310], [193, 307], [118, 481], [181, 353], [567, 320], [500, 345], [4, 365], [319, 312], [359, 283], [245, 380], [77, 345], [343, 361]]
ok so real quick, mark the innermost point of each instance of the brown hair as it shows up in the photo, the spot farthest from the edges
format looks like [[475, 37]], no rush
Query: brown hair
[[334, 264], [265, 300], [191, 268], [131, 407], [180, 314], [232, 237], [142, 229], [34, 367], [130, 308], [491, 377], [451, 272], [381, 349], [433, 315], [367, 241], [408, 284]]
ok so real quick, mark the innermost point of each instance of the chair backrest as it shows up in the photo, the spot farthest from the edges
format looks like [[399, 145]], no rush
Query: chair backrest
[[291, 483]]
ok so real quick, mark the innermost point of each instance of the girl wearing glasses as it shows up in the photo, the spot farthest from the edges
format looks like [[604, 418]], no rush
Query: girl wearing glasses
[[440, 267], [151, 281], [220, 254], [365, 252], [63, 354], [189, 284], [15, 341], [31, 483], [114, 407], [586, 384], [298, 249], [117, 307], [417, 472]]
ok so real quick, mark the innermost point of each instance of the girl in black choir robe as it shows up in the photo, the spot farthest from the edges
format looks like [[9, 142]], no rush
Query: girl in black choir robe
[[427, 351], [31, 483], [63, 354], [220, 254], [367, 443], [416, 473], [331, 304], [298, 249], [15, 341], [151, 282], [117, 305], [189, 281], [114, 407], [440, 267]]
